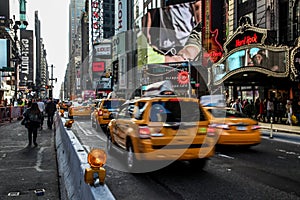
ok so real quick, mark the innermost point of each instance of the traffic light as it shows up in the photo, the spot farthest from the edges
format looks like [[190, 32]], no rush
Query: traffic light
[[47, 87]]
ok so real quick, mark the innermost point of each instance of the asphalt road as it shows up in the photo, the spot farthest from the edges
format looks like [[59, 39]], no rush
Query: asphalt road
[[269, 170]]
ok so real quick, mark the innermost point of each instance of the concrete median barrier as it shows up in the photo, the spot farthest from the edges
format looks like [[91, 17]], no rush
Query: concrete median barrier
[[72, 162]]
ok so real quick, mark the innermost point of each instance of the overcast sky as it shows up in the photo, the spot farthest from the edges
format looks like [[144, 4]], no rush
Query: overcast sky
[[54, 16]]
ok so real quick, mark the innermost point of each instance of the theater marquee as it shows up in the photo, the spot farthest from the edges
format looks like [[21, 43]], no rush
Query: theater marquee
[[249, 49]]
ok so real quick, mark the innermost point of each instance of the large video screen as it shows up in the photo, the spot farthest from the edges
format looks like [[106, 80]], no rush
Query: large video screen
[[166, 30], [257, 58], [4, 53]]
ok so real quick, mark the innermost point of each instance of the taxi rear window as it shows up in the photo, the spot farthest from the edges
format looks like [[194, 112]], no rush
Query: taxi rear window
[[176, 111], [112, 104], [226, 113]]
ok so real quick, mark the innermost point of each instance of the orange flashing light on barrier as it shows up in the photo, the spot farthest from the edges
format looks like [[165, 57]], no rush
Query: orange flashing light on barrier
[[69, 123], [96, 159]]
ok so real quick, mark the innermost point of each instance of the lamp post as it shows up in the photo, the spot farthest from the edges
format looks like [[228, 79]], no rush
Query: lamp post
[[16, 58]]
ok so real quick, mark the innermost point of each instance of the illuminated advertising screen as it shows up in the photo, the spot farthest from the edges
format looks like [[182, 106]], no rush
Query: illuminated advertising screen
[[98, 66], [97, 21], [4, 55], [272, 60], [177, 73], [103, 50], [165, 31]]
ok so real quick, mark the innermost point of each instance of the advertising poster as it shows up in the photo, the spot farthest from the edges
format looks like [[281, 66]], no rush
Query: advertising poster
[[26, 67]]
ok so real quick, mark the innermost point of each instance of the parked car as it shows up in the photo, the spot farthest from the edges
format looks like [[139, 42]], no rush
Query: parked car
[[233, 127], [81, 109], [104, 112], [162, 127]]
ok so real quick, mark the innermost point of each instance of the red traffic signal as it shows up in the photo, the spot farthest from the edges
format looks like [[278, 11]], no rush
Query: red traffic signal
[[47, 87]]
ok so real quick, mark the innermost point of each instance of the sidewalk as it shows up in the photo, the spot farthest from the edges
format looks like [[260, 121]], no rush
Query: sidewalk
[[281, 127], [27, 173]]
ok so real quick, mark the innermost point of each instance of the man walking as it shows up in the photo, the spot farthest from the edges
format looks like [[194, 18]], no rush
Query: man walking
[[42, 109], [50, 110]]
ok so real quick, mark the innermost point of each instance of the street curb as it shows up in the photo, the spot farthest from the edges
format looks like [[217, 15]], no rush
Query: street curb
[[72, 162]]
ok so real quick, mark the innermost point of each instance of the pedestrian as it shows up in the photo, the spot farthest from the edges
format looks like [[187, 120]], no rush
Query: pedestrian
[[50, 110], [41, 105], [289, 112], [270, 110], [237, 106], [33, 115]]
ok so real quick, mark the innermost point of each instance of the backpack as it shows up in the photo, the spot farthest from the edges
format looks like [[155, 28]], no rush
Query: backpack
[[33, 118]]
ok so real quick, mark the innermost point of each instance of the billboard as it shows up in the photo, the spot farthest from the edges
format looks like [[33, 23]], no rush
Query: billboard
[[165, 31], [103, 50], [4, 13], [4, 53], [97, 21], [121, 16], [98, 66], [26, 67]]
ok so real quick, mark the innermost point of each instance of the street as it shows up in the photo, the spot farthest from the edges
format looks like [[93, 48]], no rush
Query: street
[[269, 170]]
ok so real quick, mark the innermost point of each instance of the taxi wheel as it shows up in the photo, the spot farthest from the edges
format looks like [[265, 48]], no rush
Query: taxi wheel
[[198, 163], [131, 161]]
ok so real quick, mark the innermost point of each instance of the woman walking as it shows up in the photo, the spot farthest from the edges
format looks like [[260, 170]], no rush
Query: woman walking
[[289, 111], [34, 116]]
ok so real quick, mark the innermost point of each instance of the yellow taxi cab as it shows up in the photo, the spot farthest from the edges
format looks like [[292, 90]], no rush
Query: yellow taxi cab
[[162, 127], [80, 109], [104, 112], [233, 127], [64, 105]]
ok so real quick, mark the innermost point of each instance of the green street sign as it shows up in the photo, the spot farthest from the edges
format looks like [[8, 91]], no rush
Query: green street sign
[[7, 69]]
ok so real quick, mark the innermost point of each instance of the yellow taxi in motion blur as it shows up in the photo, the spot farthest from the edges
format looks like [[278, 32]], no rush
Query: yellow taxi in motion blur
[[162, 127], [81, 109], [104, 111], [233, 127]]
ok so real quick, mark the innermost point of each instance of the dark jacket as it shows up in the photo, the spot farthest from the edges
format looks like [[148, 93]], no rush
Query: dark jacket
[[50, 108], [34, 119]]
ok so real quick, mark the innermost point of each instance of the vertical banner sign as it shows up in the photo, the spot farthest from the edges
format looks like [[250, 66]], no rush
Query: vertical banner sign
[[121, 16], [97, 21], [122, 72], [26, 67]]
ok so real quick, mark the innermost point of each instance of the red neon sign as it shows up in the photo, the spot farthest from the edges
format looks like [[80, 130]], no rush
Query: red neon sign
[[246, 40]]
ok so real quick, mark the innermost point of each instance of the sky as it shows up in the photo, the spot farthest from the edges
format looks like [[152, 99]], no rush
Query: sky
[[54, 18]]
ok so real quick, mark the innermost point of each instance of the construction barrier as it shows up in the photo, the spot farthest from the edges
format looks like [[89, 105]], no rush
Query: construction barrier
[[9, 113], [72, 162]]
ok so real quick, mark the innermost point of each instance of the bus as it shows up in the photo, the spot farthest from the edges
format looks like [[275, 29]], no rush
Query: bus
[[104, 87]]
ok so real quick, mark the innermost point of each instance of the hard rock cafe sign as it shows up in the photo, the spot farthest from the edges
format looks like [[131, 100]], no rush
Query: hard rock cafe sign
[[248, 50]]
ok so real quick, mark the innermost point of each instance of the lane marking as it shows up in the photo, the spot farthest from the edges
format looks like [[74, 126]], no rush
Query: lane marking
[[225, 156]]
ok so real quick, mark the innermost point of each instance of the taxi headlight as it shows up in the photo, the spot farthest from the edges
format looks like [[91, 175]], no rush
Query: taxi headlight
[[96, 159]]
